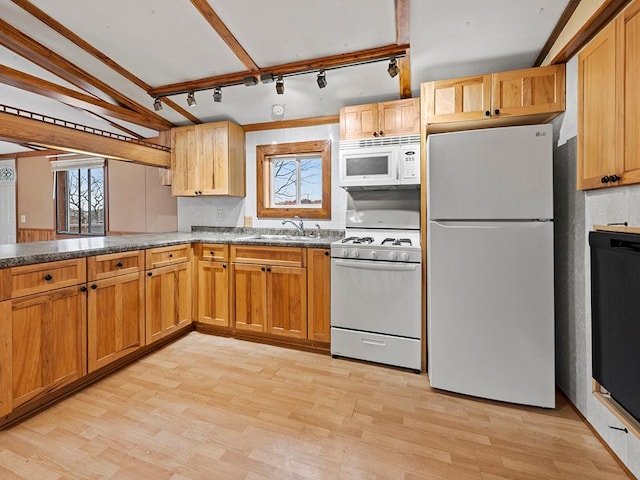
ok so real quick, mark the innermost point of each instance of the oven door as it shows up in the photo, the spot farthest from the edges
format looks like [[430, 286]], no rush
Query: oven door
[[376, 297], [370, 166]]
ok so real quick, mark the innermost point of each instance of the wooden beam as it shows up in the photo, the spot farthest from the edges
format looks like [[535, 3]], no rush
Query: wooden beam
[[15, 128], [607, 11], [37, 153], [316, 64], [403, 22], [30, 83], [225, 34], [562, 22], [94, 52], [27, 47], [300, 122]]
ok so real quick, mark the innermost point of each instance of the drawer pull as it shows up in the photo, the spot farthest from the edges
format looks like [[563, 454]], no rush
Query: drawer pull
[[171, 255], [224, 265], [48, 277], [119, 264], [370, 341], [150, 274], [83, 288], [94, 286]]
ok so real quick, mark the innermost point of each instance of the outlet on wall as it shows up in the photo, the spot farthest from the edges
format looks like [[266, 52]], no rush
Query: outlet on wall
[[220, 214], [23, 219], [248, 221]]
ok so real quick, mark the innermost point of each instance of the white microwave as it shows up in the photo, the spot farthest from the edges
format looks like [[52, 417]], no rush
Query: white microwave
[[380, 166]]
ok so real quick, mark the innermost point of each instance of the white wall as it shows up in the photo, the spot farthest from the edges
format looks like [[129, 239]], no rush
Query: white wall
[[576, 213], [230, 211]]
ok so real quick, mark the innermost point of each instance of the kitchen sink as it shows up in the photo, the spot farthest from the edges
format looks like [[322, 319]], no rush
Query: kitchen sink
[[281, 238]]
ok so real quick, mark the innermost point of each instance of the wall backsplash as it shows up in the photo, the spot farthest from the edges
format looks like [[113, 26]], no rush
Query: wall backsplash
[[230, 211]]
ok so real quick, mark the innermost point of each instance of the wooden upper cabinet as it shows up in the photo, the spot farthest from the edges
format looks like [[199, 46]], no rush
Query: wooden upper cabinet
[[609, 104], [457, 100], [528, 92], [208, 159], [386, 119], [532, 95], [597, 117]]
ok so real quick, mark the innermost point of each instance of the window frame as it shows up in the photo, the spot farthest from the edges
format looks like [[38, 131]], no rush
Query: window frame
[[66, 233], [264, 155]]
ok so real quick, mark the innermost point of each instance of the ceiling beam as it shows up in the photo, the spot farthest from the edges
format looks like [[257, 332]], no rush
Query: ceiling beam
[[36, 153], [94, 52], [33, 84], [27, 47], [225, 34], [302, 66], [403, 22], [562, 22], [16, 128]]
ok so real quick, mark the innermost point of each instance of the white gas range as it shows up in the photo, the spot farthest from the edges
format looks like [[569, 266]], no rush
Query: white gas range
[[376, 279]]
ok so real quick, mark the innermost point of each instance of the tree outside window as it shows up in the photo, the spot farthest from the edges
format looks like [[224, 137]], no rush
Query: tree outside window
[[294, 179], [80, 201]]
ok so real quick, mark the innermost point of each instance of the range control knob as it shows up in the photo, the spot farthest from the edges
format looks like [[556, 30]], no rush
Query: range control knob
[[355, 253], [393, 255], [374, 254], [344, 252], [404, 256]]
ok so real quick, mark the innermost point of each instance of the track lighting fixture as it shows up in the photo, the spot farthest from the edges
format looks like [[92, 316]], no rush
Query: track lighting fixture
[[266, 78], [280, 85], [191, 99], [322, 79], [157, 104], [217, 94], [393, 69], [250, 81]]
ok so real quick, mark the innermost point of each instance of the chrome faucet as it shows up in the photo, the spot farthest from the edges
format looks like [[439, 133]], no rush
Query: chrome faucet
[[299, 226]]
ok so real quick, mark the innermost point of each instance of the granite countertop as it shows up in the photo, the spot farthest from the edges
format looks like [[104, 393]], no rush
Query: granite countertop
[[38, 252]]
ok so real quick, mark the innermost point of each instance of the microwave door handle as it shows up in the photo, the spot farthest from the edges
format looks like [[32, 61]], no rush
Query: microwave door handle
[[398, 171]]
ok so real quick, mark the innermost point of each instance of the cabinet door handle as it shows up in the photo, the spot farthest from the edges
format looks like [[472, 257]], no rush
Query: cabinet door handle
[[224, 265], [375, 134], [83, 288], [262, 268], [614, 178], [326, 254], [487, 113], [381, 133], [268, 269], [149, 274], [605, 179], [497, 111], [119, 264], [94, 286]]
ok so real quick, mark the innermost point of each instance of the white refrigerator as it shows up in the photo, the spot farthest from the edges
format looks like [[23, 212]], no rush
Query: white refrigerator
[[490, 310]]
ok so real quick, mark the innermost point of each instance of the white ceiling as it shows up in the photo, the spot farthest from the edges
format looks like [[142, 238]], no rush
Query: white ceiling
[[168, 41]]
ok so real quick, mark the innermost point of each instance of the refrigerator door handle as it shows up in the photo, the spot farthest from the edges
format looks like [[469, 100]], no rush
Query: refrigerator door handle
[[524, 223]]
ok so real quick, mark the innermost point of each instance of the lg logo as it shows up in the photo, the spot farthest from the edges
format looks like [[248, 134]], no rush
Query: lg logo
[[541, 134]]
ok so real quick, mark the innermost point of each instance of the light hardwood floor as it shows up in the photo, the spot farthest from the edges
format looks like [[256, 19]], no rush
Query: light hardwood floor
[[207, 407]]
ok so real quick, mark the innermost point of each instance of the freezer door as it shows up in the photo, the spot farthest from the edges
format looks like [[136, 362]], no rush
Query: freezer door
[[490, 314], [492, 174]]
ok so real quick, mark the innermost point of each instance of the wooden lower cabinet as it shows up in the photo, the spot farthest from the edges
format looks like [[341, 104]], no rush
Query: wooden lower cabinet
[[115, 320], [5, 358], [48, 338], [287, 301], [213, 293], [168, 300], [250, 297], [319, 294]]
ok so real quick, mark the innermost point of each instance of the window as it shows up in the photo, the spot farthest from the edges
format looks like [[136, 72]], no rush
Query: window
[[80, 197], [294, 179]]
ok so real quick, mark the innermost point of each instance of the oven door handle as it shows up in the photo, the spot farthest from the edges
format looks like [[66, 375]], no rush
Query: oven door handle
[[368, 265]]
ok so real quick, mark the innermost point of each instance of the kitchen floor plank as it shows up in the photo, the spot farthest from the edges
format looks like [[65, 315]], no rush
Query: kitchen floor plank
[[209, 407]]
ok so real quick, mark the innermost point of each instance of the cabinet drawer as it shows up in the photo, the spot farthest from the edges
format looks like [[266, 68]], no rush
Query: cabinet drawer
[[163, 256], [41, 277], [213, 252], [286, 256], [113, 264]]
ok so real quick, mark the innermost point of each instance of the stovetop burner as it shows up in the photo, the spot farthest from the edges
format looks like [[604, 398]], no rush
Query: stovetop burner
[[396, 241], [357, 240]]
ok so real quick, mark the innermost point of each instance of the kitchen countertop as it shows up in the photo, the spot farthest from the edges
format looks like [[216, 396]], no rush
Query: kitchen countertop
[[39, 252]]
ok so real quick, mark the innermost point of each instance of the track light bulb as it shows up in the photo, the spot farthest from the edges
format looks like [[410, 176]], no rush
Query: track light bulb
[[393, 69], [191, 99], [217, 94], [250, 81], [157, 104], [280, 85], [322, 79]]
